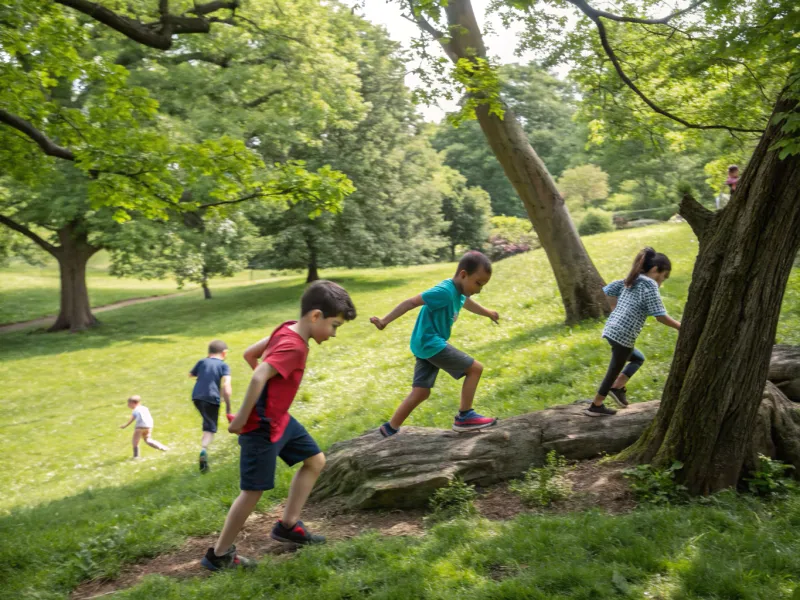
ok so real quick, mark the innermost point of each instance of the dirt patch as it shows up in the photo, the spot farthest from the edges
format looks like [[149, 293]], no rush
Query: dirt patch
[[330, 519], [595, 484]]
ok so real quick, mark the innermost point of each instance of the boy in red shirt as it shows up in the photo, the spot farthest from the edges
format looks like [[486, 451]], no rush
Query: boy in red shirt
[[267, 429]]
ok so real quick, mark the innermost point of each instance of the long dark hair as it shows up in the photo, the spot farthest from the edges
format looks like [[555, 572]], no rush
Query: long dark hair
[[646, 260]]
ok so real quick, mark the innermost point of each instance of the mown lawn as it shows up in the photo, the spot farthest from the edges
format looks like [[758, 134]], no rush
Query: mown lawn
[[32, 292], [74, 506]]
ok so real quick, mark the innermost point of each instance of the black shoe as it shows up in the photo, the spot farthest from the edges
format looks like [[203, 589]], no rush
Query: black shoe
[[620, 396], [229, 560], [203, 461], [600, 411], [296, 535]]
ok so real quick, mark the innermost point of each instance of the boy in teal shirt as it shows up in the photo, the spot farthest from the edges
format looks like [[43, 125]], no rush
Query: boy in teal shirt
[[440, 307]]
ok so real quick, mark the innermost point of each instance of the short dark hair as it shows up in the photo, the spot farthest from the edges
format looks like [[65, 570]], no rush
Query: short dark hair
[[328, 297], [733, 168], [472, 261], [217, 347]]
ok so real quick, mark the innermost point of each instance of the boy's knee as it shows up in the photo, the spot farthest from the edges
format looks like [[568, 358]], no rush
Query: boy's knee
[[316, 462], [475, 368]]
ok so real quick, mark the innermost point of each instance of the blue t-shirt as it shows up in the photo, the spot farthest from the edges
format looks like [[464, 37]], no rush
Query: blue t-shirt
[[209, 373], [436, 318], [634, 305]]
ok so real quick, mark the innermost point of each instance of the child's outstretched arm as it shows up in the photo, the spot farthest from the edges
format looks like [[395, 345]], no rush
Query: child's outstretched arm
[[669, 322], [132, 419], [477, 309], [261, 375], [256, 351], [399, 311]]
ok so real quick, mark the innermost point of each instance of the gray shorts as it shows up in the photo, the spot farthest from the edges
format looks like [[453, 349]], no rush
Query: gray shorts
[[451, 359]]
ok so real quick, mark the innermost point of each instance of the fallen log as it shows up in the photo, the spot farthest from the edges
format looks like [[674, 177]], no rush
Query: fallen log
[[404, 470]]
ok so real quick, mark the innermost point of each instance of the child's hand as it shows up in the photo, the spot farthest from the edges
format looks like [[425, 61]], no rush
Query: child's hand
[[494, 316], [378, 323]]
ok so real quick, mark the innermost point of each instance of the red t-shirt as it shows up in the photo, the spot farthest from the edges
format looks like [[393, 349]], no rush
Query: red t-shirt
[[286, 352]]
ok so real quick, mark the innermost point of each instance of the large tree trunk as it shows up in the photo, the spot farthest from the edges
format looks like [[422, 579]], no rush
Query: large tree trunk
[[578, 281], [75, 312], [712, 395]]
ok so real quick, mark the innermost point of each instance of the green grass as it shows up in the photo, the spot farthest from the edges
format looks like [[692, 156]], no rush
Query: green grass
[[73, 505], [32, 292]]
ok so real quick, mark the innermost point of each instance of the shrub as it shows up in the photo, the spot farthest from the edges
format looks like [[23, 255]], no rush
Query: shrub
[[595, 221], [454, 501], [768, 479], [544, 485], [656, 486], [510, 236]]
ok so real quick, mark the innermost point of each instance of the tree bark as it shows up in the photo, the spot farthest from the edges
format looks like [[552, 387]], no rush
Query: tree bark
[[75, 311], [313, 273], [578, 281], [712, 395], [405, 469], [206, 290]]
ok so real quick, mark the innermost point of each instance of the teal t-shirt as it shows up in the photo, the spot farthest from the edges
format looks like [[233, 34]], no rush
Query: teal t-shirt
[[436, 318]]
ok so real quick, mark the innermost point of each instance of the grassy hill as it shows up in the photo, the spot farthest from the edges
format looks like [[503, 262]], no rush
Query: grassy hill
[[74, 506]]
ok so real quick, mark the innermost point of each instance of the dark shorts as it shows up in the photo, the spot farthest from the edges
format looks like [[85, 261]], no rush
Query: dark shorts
[[451, 359], [258, 457], [210, 414]]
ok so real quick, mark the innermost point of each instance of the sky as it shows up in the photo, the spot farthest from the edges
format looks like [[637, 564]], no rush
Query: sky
[[501, 44]]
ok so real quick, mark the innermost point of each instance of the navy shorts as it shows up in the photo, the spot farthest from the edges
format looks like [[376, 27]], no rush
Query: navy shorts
[[451, 359], [210, 414], [259, 456]]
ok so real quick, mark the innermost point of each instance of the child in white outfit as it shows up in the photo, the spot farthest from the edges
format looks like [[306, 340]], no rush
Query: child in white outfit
[[144, 426]]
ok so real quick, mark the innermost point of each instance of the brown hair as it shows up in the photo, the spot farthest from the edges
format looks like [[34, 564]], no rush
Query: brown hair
[[217, 347], [328, 297], [135, 399], [646, 260]]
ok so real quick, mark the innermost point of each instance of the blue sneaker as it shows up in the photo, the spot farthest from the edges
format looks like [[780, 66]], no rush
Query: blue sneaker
[[471, 421], [203, 461], [387, 430]]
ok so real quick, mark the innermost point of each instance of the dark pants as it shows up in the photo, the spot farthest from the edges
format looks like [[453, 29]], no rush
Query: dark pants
[[619, 356]]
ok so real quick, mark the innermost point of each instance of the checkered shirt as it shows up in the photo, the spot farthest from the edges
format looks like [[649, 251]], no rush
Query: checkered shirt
[[634, 305]]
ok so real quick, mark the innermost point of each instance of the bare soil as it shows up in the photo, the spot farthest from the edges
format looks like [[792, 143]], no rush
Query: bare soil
[[595, 484]]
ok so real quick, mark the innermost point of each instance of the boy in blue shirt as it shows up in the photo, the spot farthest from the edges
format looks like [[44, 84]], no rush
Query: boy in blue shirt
[[213, 380], [440, 307]]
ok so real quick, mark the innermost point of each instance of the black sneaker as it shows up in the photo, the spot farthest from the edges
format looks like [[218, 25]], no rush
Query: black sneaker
[[203, 461], [229, 560], [600, 411], [620, 396], [296, 535]]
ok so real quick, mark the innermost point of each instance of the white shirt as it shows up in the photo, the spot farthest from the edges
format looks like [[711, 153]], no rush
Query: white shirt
[[143, 417]]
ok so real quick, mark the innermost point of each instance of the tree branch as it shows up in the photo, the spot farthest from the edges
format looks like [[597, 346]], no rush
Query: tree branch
[[156, 35], [594, 15], [29, 234], [261, 99], [210, 7], [698, 216], [47, 145], [256, 194], [223, 61], [437, 35]]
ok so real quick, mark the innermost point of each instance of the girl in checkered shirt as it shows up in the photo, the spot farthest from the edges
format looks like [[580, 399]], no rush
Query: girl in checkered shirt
[[632, 299]]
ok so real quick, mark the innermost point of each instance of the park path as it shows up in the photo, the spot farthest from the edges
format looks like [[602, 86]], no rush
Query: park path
[[48, 321]]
